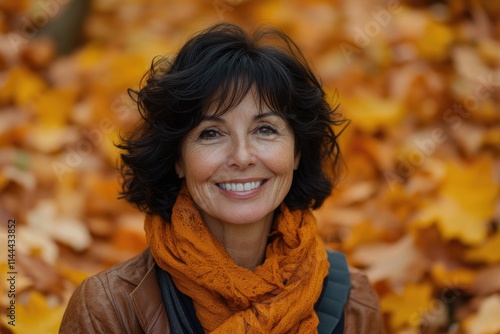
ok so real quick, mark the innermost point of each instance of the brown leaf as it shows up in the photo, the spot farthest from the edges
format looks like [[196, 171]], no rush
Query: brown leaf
[[487, 281], [44, 276]]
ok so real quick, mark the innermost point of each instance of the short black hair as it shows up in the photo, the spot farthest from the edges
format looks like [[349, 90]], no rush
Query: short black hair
[[217, 68]]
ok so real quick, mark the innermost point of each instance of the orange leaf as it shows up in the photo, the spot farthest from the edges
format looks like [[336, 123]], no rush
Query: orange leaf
[[22, 87], [445, 278], [466, 203], [36, 316], [436, 41], [54, 107], [362, 233], [371, 113], [488, 252], [73, 275]]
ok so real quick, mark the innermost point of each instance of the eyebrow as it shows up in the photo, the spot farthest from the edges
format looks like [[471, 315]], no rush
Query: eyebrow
[[266, 114], [256, 117]]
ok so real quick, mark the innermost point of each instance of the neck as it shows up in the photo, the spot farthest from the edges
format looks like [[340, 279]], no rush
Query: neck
[[245, 243]]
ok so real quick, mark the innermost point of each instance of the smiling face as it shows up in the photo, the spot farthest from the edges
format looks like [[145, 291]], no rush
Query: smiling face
[[239, 166]]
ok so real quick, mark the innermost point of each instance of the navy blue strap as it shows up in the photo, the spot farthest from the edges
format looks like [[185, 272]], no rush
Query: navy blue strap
[[339, 329], [179, 308], [330, 309]]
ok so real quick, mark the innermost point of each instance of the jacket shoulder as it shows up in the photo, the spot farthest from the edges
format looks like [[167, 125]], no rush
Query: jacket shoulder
[[362, 311], [131, 271], [105, 303]]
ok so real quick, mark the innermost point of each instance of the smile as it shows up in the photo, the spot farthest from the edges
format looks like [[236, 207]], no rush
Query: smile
[[247, 186]]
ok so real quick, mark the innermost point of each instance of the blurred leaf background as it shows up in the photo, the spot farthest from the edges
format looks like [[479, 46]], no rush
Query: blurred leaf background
[[418, 207]]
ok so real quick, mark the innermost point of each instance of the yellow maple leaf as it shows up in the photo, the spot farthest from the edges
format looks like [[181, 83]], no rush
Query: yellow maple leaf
[[362, 233], [406, 309], [449, 279], [22, 86], [55, 106], [488, 252], [436, 41], [73, 275], [36, 316], [466, 203], [371, 113], [473, 187], [49, 133]]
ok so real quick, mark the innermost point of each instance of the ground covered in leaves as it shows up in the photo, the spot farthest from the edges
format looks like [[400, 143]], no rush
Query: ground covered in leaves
[[418, 207]]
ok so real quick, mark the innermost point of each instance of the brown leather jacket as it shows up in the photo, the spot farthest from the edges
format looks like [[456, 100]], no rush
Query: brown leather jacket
[[127, 299]]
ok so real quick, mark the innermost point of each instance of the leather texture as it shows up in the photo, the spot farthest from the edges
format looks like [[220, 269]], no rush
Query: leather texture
[[127, 299]]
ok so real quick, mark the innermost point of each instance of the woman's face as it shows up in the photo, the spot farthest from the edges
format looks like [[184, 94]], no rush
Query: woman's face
[[239, 166]]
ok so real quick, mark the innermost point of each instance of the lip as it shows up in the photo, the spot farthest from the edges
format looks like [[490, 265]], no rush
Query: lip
[[243, 194]]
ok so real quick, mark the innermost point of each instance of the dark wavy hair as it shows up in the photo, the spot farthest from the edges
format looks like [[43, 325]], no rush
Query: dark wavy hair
[[216, 69]]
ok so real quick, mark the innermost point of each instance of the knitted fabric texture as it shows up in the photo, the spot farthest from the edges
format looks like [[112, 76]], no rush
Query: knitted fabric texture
[[277, 297]]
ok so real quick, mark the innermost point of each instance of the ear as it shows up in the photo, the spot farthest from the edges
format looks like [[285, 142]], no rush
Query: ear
[[179, 169], [296, 161]]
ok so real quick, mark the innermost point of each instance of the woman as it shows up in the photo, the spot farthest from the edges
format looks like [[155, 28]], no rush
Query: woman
[[235, 148]]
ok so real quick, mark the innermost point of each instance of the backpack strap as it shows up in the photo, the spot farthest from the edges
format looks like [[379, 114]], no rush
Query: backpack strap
[[330, 309]]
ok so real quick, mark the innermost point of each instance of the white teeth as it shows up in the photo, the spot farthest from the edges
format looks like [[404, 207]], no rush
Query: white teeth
[[240, 186]]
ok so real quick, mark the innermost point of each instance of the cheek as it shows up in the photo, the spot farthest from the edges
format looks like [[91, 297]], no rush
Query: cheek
[[200, 164], [282, 161]]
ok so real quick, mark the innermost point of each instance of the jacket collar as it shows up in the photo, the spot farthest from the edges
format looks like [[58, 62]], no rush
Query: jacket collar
[[146, 298]]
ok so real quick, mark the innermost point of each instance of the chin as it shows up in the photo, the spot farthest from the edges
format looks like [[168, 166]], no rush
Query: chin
[[251, 217]]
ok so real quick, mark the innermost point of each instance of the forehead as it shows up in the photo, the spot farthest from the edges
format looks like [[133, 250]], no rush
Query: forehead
[[251, 101]]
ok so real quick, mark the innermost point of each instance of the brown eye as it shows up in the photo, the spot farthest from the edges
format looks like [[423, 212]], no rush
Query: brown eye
[[267, 130], [209, 134]]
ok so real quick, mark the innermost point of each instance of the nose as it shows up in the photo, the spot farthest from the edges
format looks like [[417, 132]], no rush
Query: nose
[[242, 153]]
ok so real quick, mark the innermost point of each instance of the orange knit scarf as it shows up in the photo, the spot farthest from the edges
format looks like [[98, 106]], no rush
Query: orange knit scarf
[[277, 297]]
